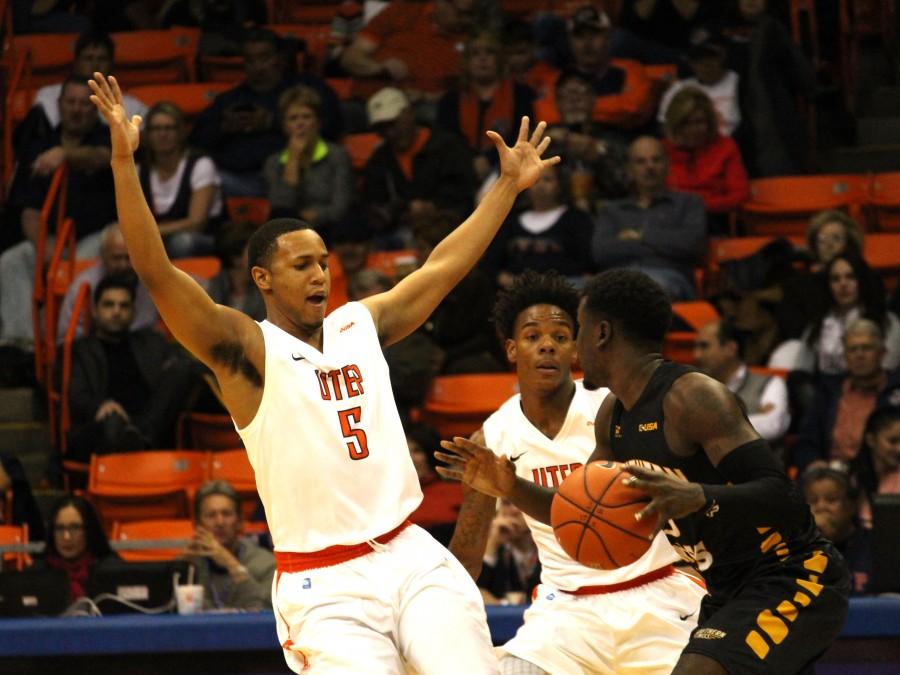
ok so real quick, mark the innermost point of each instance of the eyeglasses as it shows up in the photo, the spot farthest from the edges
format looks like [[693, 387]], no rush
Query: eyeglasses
[[71, 528]]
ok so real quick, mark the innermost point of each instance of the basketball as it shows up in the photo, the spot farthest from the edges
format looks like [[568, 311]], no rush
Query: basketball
[[593, 517]]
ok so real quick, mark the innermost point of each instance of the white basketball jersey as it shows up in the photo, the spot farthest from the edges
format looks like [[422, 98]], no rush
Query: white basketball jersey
[[327, 445], [547, 462]]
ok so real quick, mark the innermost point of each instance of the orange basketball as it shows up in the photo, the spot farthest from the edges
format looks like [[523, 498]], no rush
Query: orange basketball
[[593, 517]]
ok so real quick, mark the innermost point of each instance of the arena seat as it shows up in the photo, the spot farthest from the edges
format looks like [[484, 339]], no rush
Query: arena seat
[[679, 344], [191, 97], [156, 56], [234, 466], [207, 431], [248, 209], [457, 405], [51, 55], [884, 202], [882, 251], [360, 147], [148, 531], [14, 534]]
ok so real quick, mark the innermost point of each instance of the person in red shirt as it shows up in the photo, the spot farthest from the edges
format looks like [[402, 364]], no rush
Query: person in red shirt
[[701, 160]]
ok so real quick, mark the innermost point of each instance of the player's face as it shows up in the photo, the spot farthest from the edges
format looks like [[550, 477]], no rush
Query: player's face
[[588, 355], [299, 277], [219, 515], [68, 533], [886, 446], [830, 506], [544, 346]]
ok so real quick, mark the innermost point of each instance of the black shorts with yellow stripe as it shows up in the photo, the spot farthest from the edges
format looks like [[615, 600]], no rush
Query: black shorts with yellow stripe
[[782, 618]]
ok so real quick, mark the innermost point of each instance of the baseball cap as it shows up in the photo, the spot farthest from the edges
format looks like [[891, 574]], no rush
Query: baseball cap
[[588, 17], [706, 41], [385, 105]]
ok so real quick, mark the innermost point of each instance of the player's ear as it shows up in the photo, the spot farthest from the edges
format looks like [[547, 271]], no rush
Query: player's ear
[[510, 346], [604, 333], [261, 277]]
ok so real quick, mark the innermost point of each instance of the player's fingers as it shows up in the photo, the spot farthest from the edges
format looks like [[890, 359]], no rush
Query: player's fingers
[[452, 474], [543, 145], [456, 449], [641, 473], [538, 132], [116, 92], [646, 512], [551, 161], [137, 120], [104, 84], [466, 444], [447, 458], [523, 129]]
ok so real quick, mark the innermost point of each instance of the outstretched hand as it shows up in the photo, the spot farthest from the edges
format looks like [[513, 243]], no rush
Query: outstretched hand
[[669, 497], [522, 162], [125, 133], [476, 466]]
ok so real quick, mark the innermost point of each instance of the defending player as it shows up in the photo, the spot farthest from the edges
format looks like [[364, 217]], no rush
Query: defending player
[[777, 590], [358, 589], [636, 619]]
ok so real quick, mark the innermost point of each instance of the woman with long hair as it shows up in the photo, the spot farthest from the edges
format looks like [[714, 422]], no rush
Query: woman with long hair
[[878, 461], [77, 542], [182, 188]]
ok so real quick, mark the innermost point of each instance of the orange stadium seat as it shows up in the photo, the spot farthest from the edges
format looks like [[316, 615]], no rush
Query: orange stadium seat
[[457, 405], [191, 97], [234, 466], [248, 209], [884, 201], [361, 146], [205, 431], [783, 205], [14, 534], [679, 344], [51, 55], [393, 264], [150, 531], [156, 56], [882, 251], [145, 485], [732, 248], [203, 267]]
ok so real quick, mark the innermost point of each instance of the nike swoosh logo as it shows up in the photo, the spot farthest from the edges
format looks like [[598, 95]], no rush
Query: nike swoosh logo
[[685, 617], [517, 457], [297, 358]]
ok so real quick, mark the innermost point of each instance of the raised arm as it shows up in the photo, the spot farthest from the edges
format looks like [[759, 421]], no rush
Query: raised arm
[[401, 310], [195, 320]]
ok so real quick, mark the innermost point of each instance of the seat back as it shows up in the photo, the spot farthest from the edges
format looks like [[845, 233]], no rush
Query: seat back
[[234, 466], [203, 267], [207, 431], [882, 251], [457, 405], [782, 205], [192, 98], [14, 535], [360, 147], [149, 532], [156, 56], [884, 202], [248, 209], [145, 485], [393, 264], [51, 55], [678, 345]]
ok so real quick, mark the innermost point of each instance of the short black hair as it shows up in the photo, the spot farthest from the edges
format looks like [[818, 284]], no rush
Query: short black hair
[[633, 302], [264, 241], [92, 37], [262, 35], [728, 332], [572, 74], [124, 281], [72, 80], [529, 289], [844, 479]]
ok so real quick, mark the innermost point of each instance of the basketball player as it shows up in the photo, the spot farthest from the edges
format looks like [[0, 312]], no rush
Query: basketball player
[[635, 619], [778, 591], [358, 589]]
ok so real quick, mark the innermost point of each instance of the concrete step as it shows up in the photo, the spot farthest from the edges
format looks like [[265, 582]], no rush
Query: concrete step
[[35, 466], [45, 498], [20, 405], [25, 438], [878, 130], [863, 159], [884, 101]]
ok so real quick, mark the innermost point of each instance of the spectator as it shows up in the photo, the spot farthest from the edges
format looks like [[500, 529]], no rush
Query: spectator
[[366, 283], [878, 461], [48, 16], [94, 52], [351, 244], [593, 155], [833, 426], [232, 286], [830, 234], [707, 57], [221, 24], [240, 128], [484, 99], [665, 23], [126, 389], [701, 160], [113, 260], [549, 235], [415, 170], [77, 544], [657, 230], [310, 178], [854, 291], [520, 54], [719, 351], [833, 498], [413, 45], [235, 572], [510, 570], [25, 509], [82, 143], [441, 498], [624, 92], [774, 73], [182, 188]]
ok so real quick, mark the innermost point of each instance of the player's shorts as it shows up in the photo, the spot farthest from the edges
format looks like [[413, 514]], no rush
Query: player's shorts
[[781, 619], [408, 603], [640, 630]]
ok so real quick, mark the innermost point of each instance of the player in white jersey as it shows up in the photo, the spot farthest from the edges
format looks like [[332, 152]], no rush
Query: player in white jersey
[[358, 589], [635, 619]]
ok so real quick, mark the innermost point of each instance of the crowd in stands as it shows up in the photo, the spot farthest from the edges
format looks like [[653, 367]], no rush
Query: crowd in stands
[[662, 115]]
